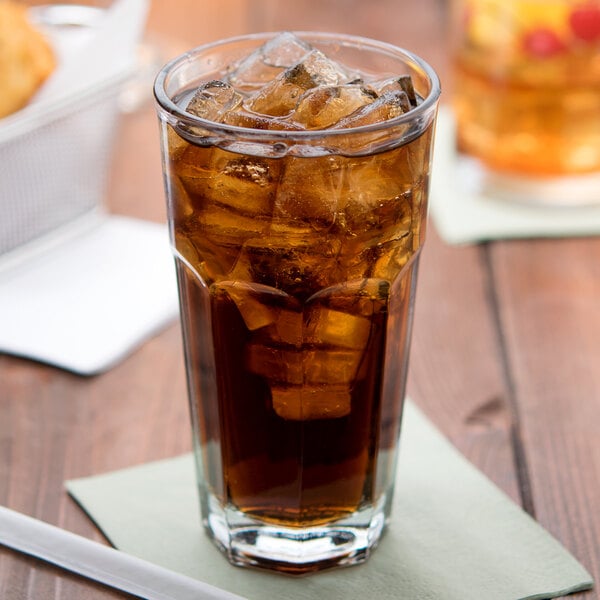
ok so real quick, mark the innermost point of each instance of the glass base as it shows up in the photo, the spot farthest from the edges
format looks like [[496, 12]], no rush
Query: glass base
[[249, 542]]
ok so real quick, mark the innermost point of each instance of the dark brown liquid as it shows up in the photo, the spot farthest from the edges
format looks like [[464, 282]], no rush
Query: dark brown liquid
[[295, 296], [291, 470]]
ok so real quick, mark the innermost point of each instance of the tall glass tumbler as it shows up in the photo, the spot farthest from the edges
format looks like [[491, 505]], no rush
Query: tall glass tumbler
[[296, 250]]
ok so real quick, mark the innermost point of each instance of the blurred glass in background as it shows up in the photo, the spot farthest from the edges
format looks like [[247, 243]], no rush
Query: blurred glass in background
[[527, 89]]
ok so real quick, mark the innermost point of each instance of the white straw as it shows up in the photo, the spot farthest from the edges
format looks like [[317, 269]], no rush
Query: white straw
[[101, 563]]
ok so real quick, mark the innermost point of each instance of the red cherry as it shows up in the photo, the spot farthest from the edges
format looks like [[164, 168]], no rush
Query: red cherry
[[542, 43], [585, 22]]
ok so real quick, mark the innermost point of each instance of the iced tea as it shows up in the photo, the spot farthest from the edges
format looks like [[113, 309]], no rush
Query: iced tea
[[296, 241], [527, 81]]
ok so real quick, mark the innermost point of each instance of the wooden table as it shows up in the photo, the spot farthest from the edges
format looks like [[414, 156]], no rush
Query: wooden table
[[505, 355]]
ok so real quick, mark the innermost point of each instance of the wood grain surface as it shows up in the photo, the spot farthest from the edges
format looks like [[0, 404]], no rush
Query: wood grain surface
[[505, 355]]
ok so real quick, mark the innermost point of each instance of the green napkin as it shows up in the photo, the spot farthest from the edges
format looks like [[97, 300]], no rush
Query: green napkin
[[453, 535], [465, 211]]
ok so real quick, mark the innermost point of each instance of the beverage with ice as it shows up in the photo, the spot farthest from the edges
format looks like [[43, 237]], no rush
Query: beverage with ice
[[296, 172], [527, 81]]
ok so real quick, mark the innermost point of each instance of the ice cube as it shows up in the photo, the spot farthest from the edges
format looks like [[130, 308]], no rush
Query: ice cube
[[360, 299], [376, 212], [323, 70], [321, 107], [297, 267], [181, 206], [354, 261], [186, 248], [280, 96], [286, 329], [298, 366], [245, 184], [192, 165], [388, 106], [193, 170], [275, 364], [302, 366], [285, 50], [221, 233], [252, 120], [392, 256], [326, 326], [375, 200], [403, 83], [213, 99], [306, 403], [406, 84], [331, 366], [266, 62], [215, 253], [412, 161], [228, 227], [258, 305], [308, 191]]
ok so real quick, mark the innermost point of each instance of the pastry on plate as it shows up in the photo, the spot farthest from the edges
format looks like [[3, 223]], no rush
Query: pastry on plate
[[26, 57]]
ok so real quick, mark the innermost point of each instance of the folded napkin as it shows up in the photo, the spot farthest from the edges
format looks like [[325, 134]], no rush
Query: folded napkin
[[467, 208], [84, 301], [453, 535]]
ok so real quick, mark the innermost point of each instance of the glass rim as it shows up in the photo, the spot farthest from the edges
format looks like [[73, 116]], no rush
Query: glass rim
[[166, 104]]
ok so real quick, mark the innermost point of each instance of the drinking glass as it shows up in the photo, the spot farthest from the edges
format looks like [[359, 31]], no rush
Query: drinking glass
[[296, 252], [526, 101]]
